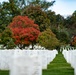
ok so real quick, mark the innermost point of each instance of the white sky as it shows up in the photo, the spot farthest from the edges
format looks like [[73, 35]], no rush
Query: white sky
[[3, 0], [63, 7]]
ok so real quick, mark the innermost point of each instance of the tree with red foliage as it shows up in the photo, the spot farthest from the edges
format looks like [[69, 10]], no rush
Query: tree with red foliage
[[73, 43], [24, 31]]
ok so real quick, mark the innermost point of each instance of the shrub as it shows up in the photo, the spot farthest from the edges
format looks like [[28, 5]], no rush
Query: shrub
[[48, 39]]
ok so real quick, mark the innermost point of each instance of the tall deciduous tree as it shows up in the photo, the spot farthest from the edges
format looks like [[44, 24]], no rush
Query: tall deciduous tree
[[70, 23], [39, 16], [25, 32], [7, 11], [17, 7], [6, 39], [48, 40], [42, 3]]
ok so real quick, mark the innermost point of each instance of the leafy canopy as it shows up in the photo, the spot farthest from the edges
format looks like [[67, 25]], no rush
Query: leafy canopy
[[25, 32], [48, 39]]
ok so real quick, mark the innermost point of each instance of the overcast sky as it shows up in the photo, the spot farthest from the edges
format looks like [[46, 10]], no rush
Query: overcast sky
[[63, 7]]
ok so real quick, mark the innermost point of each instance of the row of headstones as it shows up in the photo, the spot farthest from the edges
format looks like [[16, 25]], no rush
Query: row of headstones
[[70, 57], [35, 47], [26, 62]]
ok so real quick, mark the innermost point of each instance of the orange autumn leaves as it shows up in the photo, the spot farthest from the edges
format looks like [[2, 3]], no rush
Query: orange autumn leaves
[[24, 31], [73, 43]]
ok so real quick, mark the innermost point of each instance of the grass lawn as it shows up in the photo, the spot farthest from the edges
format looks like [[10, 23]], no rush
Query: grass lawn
[[4, 72]]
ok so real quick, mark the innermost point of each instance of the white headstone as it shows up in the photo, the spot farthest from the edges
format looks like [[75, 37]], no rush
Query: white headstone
[[25, 65]]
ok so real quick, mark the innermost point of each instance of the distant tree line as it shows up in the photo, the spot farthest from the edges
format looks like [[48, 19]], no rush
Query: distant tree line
[[54, 30]]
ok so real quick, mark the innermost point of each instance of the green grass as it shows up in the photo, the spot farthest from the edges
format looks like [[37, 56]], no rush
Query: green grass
[[4, 72], [59, 66]]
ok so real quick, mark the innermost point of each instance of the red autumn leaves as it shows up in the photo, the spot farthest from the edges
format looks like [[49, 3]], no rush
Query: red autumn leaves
[[24, 30], [73, 43]]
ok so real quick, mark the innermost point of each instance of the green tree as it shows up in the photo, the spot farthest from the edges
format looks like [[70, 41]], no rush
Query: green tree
[[39, 16], [70, 23], [7, 11], [48, 39], [18, 7], [6, 39], [52, 17], [59, 21], [42, 3]]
